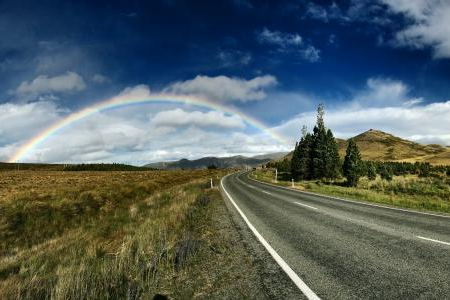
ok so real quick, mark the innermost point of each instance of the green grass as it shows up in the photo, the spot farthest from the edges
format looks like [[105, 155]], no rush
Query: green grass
[[117, 235], [430, 194]]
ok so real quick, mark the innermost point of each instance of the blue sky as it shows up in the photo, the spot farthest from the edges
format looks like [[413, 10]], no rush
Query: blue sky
[[374, 64]]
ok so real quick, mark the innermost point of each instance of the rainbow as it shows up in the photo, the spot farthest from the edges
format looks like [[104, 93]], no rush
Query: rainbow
[[126, 100]]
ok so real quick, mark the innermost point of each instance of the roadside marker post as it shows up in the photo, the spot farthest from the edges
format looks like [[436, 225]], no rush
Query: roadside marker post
[[211, 182], [293, 182], [276, 175]]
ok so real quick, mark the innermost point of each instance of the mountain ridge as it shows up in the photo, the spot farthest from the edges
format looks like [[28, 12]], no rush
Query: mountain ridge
[[220, 162]]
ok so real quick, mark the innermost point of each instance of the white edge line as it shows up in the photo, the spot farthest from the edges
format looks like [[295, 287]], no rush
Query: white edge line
[[286, 268], [305, 205], [432, 240], [348, 200]]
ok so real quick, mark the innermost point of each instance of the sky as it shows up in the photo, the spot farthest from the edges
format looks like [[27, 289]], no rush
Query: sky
[[381, 64]]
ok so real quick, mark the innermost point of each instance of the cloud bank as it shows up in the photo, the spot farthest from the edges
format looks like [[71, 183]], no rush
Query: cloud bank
[[225, 89], [429, 24], [43, 84]]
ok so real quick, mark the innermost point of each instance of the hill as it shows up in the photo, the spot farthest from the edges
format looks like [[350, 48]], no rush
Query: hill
[[220, 162], [382, 146]]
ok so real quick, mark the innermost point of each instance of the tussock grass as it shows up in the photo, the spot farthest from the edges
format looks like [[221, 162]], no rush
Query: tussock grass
[[111, 235], [408, 191]]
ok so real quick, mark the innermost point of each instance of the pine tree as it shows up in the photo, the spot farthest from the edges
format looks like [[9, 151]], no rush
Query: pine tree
[[305, 165], [352, 164], [371, 171], [319, 146], [332, 160], [295, 161], [324, 153]]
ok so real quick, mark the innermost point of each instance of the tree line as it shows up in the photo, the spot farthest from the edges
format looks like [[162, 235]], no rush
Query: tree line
[[316, 157]]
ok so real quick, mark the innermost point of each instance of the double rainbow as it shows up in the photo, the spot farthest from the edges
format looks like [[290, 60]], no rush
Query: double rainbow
[[123, 101]]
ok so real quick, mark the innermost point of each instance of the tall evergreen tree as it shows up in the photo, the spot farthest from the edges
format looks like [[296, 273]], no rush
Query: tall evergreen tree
[[295, 161], [332, 160], [352, 164], [319, 146], [316, 155], [301, 160], [371, 171], [304, 152]]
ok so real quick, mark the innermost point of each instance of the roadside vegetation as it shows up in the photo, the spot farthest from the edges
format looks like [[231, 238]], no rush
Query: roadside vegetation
[[119, 235], [316, 166]]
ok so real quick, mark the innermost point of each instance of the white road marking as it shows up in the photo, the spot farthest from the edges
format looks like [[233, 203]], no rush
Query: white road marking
[[305, 205], [432, 240], [286, 268], [352, 201], [266, 192]]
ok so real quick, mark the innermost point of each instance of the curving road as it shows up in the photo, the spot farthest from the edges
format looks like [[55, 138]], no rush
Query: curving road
[[340, 249]]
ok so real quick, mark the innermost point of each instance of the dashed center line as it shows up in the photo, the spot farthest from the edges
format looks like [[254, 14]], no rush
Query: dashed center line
[[266, 192], [305, 205], [432, 240]]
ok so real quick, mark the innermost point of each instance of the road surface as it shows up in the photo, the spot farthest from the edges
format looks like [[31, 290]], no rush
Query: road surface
[[344, 249]]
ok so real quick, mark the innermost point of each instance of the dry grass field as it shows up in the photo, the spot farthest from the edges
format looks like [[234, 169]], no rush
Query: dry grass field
[[118, 235]]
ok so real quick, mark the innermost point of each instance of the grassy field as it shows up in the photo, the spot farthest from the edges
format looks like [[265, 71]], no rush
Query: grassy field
[[119, 235], [409, 191]]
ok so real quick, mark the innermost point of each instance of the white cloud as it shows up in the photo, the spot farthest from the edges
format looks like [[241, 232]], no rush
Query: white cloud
[[43, 84], [289, 42], [225, 89], [429, 24], [138, 91], [281, 39], [384, 92], [178, 117], [20, 121]]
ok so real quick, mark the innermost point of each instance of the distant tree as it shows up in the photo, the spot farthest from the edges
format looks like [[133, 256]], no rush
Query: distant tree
[[212, 167], [448, 172], [425, 170], [371, 171], [386, 172], [352, 164]]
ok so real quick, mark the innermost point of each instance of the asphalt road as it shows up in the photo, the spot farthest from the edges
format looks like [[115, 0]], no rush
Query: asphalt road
[[348, 250]]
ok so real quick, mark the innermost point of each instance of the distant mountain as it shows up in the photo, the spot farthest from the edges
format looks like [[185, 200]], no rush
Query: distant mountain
[[382, 146], [220, 162], [379, 145]]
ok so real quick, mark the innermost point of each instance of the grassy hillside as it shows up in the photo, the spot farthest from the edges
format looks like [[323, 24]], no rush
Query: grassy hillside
[[382, 146], [378, 145], [118, 235]]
